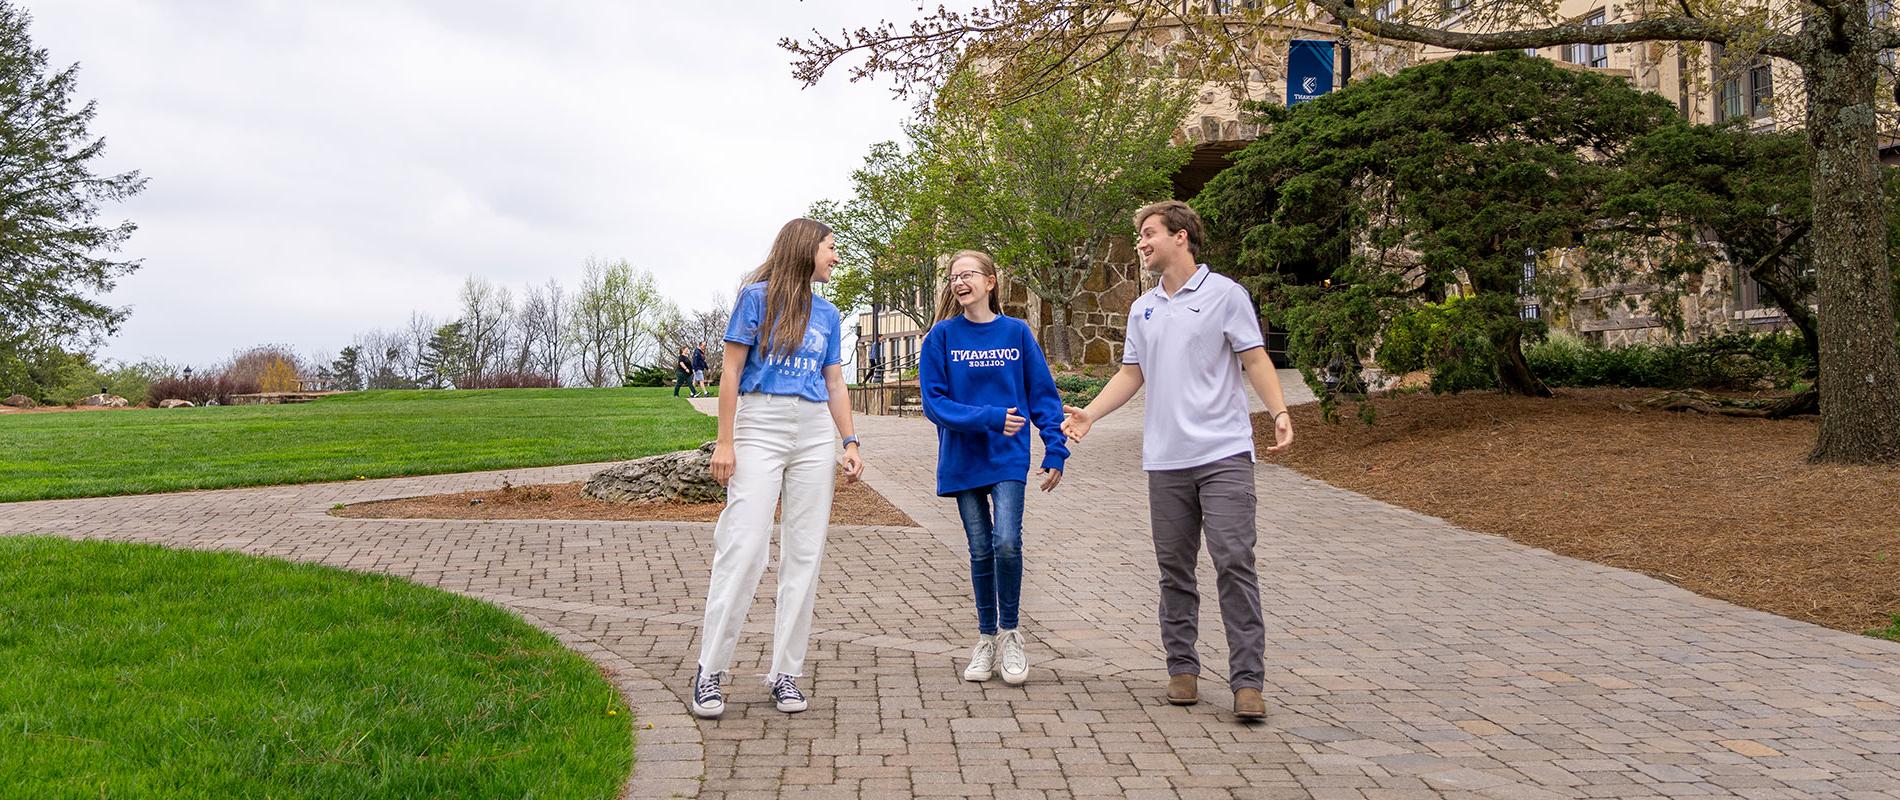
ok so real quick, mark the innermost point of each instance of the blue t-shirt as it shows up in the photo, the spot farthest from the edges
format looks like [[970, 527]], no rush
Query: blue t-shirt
[[970, 373], [802, 374]]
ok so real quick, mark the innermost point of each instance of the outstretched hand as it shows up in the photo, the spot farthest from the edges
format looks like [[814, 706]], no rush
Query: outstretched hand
[[1075, 423]]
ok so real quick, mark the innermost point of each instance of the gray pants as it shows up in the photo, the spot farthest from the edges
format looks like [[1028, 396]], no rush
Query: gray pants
[[1215, 500]]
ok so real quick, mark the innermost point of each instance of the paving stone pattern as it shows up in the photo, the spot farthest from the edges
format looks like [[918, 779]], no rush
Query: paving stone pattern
[[1406, 658]]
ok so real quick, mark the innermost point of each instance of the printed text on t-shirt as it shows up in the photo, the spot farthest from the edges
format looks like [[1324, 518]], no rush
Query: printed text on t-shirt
[[994, 357]]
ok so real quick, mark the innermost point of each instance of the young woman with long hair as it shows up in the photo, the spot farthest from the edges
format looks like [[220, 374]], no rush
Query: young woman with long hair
[[983, 377], [782, 398]]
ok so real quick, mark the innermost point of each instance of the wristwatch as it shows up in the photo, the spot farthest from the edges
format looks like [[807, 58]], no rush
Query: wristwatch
[[851, 440]]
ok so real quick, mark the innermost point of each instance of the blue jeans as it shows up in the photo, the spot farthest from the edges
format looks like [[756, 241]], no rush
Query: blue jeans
[[996, 551]]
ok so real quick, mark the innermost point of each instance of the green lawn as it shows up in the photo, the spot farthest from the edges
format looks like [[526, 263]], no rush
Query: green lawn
[[1889, 632], [134, 671], [364, 434]]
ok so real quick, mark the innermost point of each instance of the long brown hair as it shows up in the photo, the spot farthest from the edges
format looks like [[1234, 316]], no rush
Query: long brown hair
[[947, 305], [787, 273]]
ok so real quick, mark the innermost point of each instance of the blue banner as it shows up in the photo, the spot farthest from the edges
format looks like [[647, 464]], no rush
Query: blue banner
[[1309, 70]]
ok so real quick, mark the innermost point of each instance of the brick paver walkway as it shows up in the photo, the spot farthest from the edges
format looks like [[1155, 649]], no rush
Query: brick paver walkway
[[1406, 657]]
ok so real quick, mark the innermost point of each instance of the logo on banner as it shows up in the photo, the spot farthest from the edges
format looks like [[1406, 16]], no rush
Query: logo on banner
[[1309, 70]]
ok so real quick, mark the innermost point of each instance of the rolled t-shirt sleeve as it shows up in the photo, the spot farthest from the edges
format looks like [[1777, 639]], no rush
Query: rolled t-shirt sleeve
[[834, 352], [743, 328], [1240, 323]]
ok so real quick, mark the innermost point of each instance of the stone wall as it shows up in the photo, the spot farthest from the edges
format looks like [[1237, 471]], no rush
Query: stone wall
[[1099, 314], [1709, 306]]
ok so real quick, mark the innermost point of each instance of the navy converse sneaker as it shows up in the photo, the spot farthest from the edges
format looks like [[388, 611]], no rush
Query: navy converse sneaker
[[785, 692], [708, 701]]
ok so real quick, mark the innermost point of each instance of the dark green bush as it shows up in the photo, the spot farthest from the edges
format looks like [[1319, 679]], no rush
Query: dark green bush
[[1078, 390], [1734, 361], [650, 376], [1452, 339]]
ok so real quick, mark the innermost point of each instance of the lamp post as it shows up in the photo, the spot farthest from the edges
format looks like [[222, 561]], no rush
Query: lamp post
[[877, 374], [1345, 50]]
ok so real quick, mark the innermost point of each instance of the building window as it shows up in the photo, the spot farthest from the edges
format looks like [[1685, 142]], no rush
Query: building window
[[1454, 6], [1589, 55], [1745, 92], [1747, 291], [1761, 89], [1682, 82], [1728, 99], [1386, 10]]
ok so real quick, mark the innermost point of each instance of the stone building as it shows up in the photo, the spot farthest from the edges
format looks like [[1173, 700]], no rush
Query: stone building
[[1215, 127], [1707, 86], [1704, 86]]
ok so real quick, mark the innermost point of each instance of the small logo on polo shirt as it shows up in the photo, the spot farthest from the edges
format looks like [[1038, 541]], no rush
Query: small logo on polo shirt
[[1148, 313], [1193, 309]]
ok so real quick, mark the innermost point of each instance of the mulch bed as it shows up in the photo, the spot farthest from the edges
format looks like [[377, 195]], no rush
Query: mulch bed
[[1726, 507], [851, 504]]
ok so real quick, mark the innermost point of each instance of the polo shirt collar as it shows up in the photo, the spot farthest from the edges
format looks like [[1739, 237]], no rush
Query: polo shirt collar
[[1193, 284]]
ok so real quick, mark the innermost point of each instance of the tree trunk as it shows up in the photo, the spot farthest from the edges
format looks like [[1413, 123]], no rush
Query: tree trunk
[[1514, 372], [1859, 376], [1061, 353]]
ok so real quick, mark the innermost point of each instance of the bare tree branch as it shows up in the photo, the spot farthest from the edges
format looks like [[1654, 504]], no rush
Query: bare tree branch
[[1654, 29]]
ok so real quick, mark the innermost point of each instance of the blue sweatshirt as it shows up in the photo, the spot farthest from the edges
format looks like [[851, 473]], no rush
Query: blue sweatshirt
[[970, 374]]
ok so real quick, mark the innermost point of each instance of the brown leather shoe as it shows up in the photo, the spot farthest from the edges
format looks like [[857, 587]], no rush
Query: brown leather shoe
[[1184, 690], [1248, 704]]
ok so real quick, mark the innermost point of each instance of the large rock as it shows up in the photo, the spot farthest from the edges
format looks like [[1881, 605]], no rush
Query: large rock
[[19, 401], [175, 403], [105, 401], [682, 477]]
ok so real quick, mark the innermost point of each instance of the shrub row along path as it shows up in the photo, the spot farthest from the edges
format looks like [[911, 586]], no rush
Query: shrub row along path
[[1406, 658]]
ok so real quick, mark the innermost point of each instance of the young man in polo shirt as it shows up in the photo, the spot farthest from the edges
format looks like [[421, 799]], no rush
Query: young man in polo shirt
[[1189, 341]]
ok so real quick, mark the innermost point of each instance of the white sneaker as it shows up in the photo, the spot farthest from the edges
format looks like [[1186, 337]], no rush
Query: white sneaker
[[1015, 661], [982, 660]]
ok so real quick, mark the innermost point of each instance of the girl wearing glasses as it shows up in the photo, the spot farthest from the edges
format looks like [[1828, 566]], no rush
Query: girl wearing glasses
[[983, 378]]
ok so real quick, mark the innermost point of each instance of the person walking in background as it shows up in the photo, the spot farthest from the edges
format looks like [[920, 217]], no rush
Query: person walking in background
[[699, 369], [783, 407], [983, 377], [683, 375]]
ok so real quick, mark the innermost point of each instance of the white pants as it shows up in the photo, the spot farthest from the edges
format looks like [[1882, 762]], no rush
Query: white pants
[[783, 447]]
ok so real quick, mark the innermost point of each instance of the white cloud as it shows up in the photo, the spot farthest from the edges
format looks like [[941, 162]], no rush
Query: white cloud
[[318, 169]]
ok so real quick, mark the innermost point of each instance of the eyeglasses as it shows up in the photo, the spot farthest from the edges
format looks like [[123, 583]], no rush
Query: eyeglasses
[[967, 276]]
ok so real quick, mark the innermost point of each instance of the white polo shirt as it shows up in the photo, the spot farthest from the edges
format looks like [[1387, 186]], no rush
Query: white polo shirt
[[1188, 348]]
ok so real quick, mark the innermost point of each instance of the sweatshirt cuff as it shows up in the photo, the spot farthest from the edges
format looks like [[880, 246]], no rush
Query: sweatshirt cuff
[[999, 416], [1054, 462]]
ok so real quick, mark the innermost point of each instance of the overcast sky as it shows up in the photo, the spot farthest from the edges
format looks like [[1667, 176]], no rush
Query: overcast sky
[[318, 169]]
